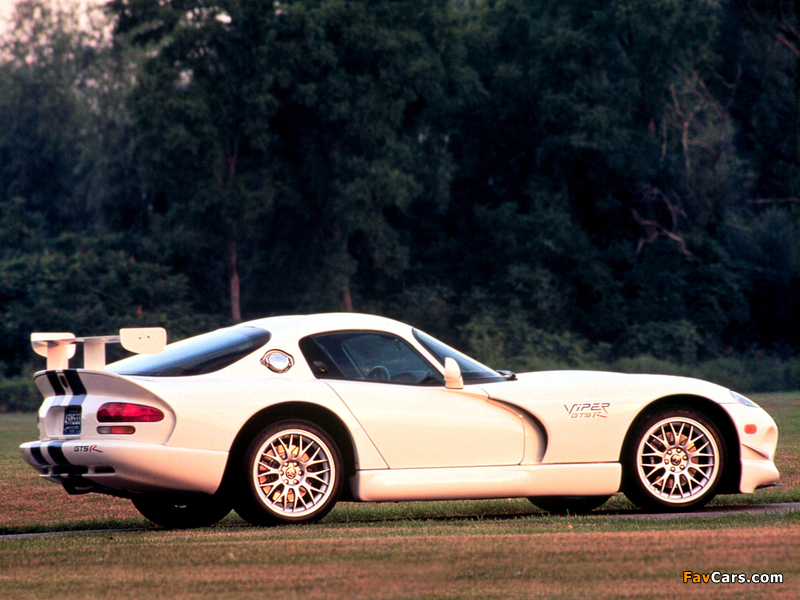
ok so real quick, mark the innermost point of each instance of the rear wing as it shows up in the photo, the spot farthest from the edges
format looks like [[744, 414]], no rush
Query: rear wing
[[60, 347]]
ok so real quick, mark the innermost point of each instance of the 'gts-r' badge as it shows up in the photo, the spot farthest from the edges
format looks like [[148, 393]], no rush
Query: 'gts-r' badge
[[92, 448], [593, 410]]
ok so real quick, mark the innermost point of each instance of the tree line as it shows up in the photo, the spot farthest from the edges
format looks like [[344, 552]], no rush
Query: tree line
[[542, 183]]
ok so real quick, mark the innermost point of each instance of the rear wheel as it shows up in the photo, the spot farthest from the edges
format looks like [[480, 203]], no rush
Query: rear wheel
[[576, 505], [292, 473], [674, 462], [182, 513]]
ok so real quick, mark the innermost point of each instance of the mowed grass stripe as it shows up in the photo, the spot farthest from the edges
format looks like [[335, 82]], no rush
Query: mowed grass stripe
[[245, 564]]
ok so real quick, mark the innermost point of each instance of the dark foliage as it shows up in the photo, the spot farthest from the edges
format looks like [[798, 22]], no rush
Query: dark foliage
[[542, 183]]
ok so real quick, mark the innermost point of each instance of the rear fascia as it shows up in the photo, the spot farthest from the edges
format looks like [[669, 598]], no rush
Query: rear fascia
[[117, 464]]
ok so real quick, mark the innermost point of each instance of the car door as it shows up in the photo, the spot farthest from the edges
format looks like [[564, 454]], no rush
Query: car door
[[401, 402]]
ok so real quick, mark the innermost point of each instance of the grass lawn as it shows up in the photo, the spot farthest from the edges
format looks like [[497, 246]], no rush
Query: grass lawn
[[480, 549]]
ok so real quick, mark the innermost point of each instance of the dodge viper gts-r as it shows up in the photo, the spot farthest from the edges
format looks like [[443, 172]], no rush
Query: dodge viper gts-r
[[281, 417]]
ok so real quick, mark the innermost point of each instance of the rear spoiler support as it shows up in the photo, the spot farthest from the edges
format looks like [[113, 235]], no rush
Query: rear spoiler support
[[60, 347]]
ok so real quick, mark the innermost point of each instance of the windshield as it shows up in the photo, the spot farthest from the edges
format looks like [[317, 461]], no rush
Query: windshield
[[197, 355], [471, 370]]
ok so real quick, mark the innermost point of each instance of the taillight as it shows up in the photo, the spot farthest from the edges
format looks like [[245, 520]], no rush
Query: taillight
[[123, 412]]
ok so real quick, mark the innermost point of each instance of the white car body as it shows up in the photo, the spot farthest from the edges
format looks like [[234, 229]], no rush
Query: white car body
[[538, 435]]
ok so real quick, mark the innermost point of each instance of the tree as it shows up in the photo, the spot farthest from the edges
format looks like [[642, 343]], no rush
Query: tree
[[203, 105], [62, 162], [601, 146], [43, 58], [86, 284], [361, 89], [314, 121], [762, 42]]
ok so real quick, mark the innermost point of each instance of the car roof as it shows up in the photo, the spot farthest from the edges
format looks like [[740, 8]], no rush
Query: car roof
[[301, 325]]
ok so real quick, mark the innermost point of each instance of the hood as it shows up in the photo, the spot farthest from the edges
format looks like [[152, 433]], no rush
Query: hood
[[596, 386]]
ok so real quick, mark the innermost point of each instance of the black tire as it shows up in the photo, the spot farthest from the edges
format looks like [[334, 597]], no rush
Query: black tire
[[673, 461], [182, 513], [292, 472], [562, 505]]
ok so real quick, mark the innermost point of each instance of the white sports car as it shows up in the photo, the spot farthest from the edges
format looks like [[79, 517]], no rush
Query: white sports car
[[281, 417]]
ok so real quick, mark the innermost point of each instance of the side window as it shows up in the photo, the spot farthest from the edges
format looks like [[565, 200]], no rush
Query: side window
[[367, 356]]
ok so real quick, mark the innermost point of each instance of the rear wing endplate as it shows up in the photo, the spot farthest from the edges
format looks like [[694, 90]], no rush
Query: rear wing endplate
[[60, 347]]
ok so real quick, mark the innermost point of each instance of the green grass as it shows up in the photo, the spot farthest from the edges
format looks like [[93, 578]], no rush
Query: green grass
[[530, 557], [470, 549]]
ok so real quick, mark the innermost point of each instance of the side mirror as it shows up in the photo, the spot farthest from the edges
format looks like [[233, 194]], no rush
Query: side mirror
[[452, 375]]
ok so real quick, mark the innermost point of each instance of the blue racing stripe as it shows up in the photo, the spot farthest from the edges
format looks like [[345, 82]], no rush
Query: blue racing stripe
[[75, 383], [36, 453], [77, 400], [57, 453], [52, 378]]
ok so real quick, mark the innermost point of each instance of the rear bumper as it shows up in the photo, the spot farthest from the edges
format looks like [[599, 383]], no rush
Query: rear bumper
[[117, 465]]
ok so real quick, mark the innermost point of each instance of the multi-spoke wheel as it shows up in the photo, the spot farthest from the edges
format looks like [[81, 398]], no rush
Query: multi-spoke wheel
[[183, 513], [675, 461], [292, 473]]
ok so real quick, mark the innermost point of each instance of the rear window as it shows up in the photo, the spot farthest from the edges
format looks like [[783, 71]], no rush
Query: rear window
[[199, 355]]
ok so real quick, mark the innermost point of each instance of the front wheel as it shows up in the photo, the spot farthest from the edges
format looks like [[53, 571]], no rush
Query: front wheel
[[674, 462], [182, 513], [292, 473]]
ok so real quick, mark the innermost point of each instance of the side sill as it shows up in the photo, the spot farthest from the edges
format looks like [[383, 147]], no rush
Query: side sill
[[473, 483]]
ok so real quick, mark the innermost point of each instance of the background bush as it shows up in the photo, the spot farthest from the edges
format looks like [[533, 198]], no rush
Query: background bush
[[575, 184]]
